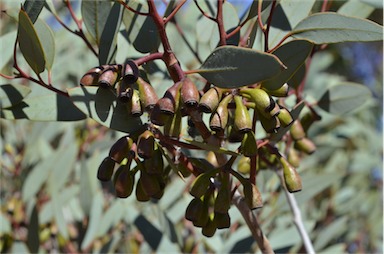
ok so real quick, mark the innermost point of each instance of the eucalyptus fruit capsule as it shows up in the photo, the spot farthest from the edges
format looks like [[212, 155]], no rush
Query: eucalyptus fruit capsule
[[308, 119], [244, 165], [200, 185], [91, 77], [296, 130], [233, 134], [270, 125], [219, 119], [291, 178], [141, 195], [210, 228], [124, 181], [149, 183], [210, 100], [242, 120], [148, 96], [167, 103], [252, 196], [136, 104], [172, 128], [130, 72], [193, 209], [109, 76], [285, 117], [146, 144], [189, 93], [155, 164], [263, 102], [223, 200], [305, 145], [222, 220], [249, 145], [293, 157], [105, 171], [280, 92], [120, 149]]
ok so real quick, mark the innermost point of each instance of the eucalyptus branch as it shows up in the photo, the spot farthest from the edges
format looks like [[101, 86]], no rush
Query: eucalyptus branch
[[220, 23], [266, 32], [131, 9], [297, 219], [173, 13], [203, 12]]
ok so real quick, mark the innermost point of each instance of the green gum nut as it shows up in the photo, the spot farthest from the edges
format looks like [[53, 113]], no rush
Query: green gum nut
[[135, 108], [210, 100], [263, 102], [200, 185], [291, 178], [91, 77], [202, 217], [223, 200], [109, 76], [120, 149], [169, 102], [293, 157], [105, 170], [249, 144], [150, 183], [141, 195], [285, 117], [275, 111], [252, 196], [233, 134], [146, 144], [172, 127], [280, 92], [305, 145], [242, 120], [155, 164], [222, 220], [123, 181], [296, 130], [148, 96], [189, 93], [210, 228], [158, 117], [270, 125], [193, 209], [308, 119], [219, 118], [244, 165]]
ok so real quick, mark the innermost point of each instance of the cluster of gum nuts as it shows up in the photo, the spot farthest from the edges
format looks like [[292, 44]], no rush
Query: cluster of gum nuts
[[230, 120]]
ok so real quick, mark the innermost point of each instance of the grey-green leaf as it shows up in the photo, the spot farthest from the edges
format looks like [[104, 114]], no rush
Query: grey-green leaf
[[344, 98], [11, 95], [333, 28], [30, 44], [95, 14], [232, 67], [51, 107], [101, 105], [33, 8], [47, 40], [293, 54], [108, 44]]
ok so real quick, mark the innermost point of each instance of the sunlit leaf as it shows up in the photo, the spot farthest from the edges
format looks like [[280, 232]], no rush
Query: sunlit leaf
[[47, 40], [293, 54], [343, 98], [95, 14], [30, 44], [11, 95], [33, 231], [51, 107], [101, 105], [7, 41], [232, 67], [95, 216], [332, 28], [33, 8], [356, 8], [331, 232]]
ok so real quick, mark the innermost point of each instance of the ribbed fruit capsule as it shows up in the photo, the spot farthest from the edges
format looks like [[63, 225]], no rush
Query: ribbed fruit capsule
[[155, 164], [91, 77], [233, 134], [167, 103], [222, 220], [149, 183], [296, 130], [189, 93], [210, 228], [210, 100], [193, 209], [146, 144], [219, 118], [120, 149], [242, 120], [263, 102], [124, 181], [130, 72], [270, 125], [202, 217], [280, 92], [141, 195], [223, 200], [285, 117], [293, 157], [136, 104], [200, 185], [252, 196], [305, 145], [148, 96], [249, 145], [172, 127], [109, 76], [158, 117], [105, 171], [291, 178]]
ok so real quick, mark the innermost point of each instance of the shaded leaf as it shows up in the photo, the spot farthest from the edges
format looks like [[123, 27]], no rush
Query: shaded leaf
[[57, 208], [293, 54], [51, 107], [47, 40], [344, 98], [232, 67], [33, 231], [30, 44], [95, 14], [147, 40], [11, 95], [108, 44], [212, 148], [33, 8], [101, 105], [331, 232], [7, 41], [332, 28]]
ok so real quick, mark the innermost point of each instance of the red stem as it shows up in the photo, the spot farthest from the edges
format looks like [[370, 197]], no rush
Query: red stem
[[172, 14], [133, 10], [203, 12], [220, 23]]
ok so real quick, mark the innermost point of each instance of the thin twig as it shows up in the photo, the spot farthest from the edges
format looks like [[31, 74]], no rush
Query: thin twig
[[131, 9], [251, 220], [173, 13], [220, 23], [203, 12]]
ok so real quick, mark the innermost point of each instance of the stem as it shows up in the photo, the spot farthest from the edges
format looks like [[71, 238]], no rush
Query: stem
[[297, 219], [202, 11], [251, 220], [131, 9], [220, 23], [148, 58], [266, 32], [172, 14]]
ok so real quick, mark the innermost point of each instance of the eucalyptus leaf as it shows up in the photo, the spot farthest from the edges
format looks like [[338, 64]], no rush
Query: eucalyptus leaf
[[51, 107], [232, 67], [329, 27], [356, 8], [33, 8], [212, 148], [30, 44], [343, 98], [95, 14], [7, 41], [102, 106], [293, 54], [11, 95], [47, 40], [95, 217]]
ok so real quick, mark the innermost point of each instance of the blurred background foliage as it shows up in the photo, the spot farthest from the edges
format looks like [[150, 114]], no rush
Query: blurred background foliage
[[51, 200]]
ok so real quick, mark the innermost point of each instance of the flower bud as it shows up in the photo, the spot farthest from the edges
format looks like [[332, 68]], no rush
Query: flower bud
[[189, 93], [120, 149], [148, 96], [105, 171], [91, 77], [252, 196], [305, 145], [146, 144], [244, 165], [296, 130], [136, 104], [249, 145], [280, 92], [291, 178], [263, 102], [285, 117], [123, 181], [130, 72], [242, 120], [219, 119], [293, 157], [210, 100], [109, 76], [275, 111], [222, 220], [308, 119]]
